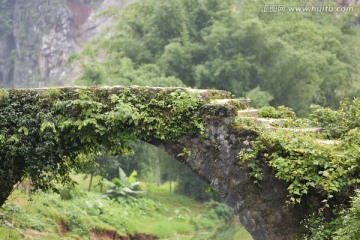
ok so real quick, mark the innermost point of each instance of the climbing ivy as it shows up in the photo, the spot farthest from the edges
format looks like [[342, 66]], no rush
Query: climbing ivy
[[326, 165], [46, 134], [337, 123]]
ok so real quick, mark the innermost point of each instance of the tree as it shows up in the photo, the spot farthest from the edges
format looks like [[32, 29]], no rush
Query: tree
[[299, 59], [259, 98]]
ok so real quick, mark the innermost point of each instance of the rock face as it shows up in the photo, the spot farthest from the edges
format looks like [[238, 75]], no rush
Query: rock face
[[38, 36]]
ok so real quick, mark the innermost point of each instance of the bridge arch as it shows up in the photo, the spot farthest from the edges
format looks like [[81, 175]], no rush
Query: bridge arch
[[43, 131], [261, 208]]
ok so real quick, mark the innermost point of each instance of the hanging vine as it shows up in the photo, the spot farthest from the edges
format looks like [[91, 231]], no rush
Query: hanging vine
[[45, 135]]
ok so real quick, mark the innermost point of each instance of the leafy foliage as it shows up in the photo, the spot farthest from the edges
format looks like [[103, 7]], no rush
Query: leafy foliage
[[123, 189], [44, 136], [308, 163], [320, 227], [66, 193], [259, 98], [337, 123], [294, 59], [320, 169], [280, 112], [348, 222]]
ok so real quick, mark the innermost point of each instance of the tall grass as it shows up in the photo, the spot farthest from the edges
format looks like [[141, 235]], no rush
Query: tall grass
[[76, 216]]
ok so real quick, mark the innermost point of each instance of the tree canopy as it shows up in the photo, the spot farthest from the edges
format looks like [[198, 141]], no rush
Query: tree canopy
[[296, 59]]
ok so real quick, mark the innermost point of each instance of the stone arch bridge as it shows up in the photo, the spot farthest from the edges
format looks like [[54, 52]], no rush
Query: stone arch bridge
[[212, 153]]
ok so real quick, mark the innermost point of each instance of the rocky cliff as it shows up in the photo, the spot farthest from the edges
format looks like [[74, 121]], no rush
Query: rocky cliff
[[38, 36]]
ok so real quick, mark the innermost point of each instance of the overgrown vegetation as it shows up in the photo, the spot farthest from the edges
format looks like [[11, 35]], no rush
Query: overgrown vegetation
[[158, 213], [323, 168], [293, 59], [280, 112], [44, 136], [123, 189]]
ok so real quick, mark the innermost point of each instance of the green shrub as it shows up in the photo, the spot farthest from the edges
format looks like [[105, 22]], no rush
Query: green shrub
[[123, 189], [280, 112], [95, 208], [77, 224], [219, 210], [349, 221], [336, 123], [66, 194], [9, 233], [320, 228], [117, 182]]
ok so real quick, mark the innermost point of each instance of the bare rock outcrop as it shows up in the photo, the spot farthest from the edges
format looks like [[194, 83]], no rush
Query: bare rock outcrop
[[40, 35]]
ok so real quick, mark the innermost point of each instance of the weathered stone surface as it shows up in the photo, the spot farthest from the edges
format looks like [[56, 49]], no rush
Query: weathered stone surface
[[43, 34], [262, 208]]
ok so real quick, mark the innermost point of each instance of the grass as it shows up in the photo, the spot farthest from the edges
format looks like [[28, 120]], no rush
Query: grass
[[160, 213]]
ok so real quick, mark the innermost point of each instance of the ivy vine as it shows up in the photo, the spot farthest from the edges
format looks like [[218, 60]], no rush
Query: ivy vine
[[45, 135], [325, 164]]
